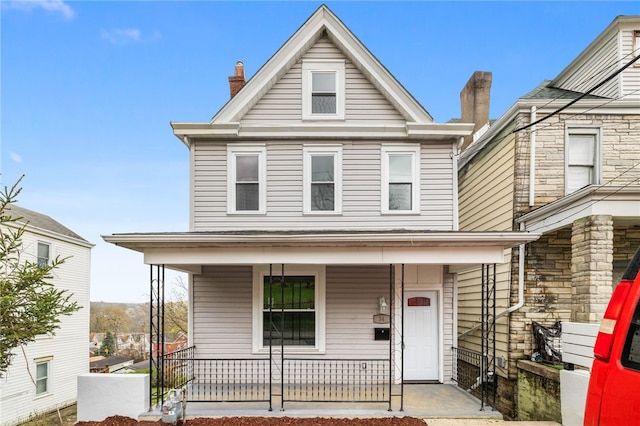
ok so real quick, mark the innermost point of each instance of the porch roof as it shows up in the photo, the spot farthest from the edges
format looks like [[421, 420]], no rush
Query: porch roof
[[189, 250], [620, 202]]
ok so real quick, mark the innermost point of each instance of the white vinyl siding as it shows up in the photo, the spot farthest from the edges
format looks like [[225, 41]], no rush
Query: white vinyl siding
[[363, 102], [631, 76], [582, 158], [67, 349], [595, 69], [486, 203], [486, 190], [223, 305], [361, 189]]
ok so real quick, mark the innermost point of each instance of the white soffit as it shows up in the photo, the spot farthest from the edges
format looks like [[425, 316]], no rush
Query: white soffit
[[325, 255]]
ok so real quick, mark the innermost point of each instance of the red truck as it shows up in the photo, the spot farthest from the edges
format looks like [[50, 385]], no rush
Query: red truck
[[613, 396]]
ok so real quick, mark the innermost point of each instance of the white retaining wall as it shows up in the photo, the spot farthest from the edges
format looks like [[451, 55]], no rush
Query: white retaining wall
[[104, 395]]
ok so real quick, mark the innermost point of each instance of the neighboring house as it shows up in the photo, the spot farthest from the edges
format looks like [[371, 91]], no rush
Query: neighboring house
[[110, 364], [323, 216], [575, 178], [43, 374]]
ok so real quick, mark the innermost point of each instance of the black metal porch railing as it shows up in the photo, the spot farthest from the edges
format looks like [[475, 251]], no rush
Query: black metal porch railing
[[219, 379], [304, 379], [336, 380], [230, 380], [178, 368], [466, 368]]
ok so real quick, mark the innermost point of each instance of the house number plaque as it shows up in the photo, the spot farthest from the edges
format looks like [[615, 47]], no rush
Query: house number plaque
[[381, 319]]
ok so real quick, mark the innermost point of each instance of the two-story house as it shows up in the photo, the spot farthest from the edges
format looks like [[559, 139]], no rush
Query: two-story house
[[563, 161], [323, 223], [43, 374]]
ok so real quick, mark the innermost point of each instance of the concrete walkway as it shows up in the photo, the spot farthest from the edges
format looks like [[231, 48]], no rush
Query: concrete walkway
[[438, 404]]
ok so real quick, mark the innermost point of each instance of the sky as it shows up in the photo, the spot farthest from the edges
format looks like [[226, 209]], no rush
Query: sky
[[88, 89]]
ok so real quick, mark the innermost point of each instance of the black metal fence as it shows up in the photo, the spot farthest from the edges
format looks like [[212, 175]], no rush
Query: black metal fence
[[336, 380], [467, 367], [299, 380]]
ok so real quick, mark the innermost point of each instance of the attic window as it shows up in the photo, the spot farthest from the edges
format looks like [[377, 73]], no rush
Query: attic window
[[323, 90]]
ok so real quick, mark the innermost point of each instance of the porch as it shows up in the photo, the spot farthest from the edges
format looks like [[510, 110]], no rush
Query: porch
[[419, 400]]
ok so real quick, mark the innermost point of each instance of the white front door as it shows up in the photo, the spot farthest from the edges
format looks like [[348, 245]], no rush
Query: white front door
[[421, 361]]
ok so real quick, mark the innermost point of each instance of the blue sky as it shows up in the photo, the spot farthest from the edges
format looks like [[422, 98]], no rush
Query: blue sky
[[88, 90]]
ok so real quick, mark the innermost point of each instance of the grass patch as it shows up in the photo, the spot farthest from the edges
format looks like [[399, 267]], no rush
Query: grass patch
[[66, 416]]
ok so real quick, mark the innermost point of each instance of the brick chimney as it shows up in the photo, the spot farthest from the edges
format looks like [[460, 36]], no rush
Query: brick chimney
[[474, 102], [237, 81]]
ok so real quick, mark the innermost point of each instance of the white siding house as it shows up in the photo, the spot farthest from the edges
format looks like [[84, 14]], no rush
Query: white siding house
[[324, 172], [43, 374]]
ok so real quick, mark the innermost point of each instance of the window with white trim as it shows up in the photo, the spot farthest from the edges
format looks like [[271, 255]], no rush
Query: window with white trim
[[289, 311], [582, 154], [322, 179], [323, 90], [44, 254], [400, 179], [246, 179], [42, 377]]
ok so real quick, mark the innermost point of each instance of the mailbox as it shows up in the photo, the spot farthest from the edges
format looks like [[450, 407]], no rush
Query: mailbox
[[381, 334]]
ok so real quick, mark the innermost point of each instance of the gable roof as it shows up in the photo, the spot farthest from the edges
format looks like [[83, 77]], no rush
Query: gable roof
[[225, 123], [39, 221], [323, 21]]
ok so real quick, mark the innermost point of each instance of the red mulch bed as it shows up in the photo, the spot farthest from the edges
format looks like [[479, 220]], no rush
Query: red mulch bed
[[265, 421]]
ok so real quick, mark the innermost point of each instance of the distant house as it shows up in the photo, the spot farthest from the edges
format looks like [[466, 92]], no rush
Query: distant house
[[110, 364], [43, 377], [574, 178]]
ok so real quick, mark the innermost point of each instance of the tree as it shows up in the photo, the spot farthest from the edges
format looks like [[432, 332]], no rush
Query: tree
[[176, 310], [30, 304], [108, 346]]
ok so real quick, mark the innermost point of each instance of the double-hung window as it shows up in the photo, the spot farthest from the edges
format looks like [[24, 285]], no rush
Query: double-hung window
[[323, 90], [42, 376], [289, 309], [246, 180], [582, 152], [322, 179], [400, 179], [44, 254]]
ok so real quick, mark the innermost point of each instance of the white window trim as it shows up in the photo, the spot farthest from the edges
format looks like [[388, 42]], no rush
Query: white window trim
[[261, 271], [44, 243], [232, 152], [43, 360], [597, 167], [308, 68], [336, 152], [386, 151]]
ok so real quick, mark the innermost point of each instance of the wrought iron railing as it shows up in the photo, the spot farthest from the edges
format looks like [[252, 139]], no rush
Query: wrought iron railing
[[336, 380], [467, 368], [230, 380]]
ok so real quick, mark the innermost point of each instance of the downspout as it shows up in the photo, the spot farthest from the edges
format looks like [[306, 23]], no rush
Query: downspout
[[520, 302], [532, 159]]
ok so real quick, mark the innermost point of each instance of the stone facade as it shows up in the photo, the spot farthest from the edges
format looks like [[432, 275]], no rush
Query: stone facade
[[591, 267]]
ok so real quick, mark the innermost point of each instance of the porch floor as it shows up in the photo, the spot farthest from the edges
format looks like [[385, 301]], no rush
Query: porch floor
[[420, 400]]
